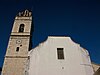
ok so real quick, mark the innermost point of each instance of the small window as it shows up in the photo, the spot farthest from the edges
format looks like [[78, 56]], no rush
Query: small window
[[60, 53], [21, 28], [17, 49]]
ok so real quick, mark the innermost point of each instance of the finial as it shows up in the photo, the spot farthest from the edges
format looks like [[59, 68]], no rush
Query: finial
[[26, 13], [19, 13]]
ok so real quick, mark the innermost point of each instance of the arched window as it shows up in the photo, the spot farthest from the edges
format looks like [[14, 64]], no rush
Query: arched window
[[21, 28]]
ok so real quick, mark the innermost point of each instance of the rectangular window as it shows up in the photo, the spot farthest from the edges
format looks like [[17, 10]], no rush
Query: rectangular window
[[60, 53], [17, 49]]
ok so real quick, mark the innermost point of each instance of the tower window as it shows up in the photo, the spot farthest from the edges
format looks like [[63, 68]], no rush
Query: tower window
[[21, 28], [60, 53], [17, 49]]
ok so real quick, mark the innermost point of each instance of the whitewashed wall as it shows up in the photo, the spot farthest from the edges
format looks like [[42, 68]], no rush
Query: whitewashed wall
[[44, 61]]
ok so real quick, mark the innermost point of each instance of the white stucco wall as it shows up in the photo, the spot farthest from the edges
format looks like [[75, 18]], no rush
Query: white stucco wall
[[44, 61]]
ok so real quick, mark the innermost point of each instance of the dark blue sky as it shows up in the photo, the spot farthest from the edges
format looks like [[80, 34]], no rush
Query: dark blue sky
[[79, 19]]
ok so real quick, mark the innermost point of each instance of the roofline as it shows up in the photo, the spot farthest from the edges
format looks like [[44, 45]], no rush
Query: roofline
[[95, 63]]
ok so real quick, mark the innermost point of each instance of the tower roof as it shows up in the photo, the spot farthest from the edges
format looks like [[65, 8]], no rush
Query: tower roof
[[25, 13]]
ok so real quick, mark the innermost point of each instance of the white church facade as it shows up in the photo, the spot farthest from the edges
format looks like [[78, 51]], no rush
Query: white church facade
[[58, 55]]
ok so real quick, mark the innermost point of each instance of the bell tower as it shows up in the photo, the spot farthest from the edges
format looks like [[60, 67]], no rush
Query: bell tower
[[18, 46]]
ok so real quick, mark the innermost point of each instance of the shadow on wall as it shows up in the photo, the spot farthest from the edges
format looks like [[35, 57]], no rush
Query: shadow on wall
[[97, 72], [0, 70]]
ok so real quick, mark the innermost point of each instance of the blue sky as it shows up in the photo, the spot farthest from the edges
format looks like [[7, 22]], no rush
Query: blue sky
[[79, 19]]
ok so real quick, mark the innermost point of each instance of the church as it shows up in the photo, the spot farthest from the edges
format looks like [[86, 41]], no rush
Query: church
[[58, 55]]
